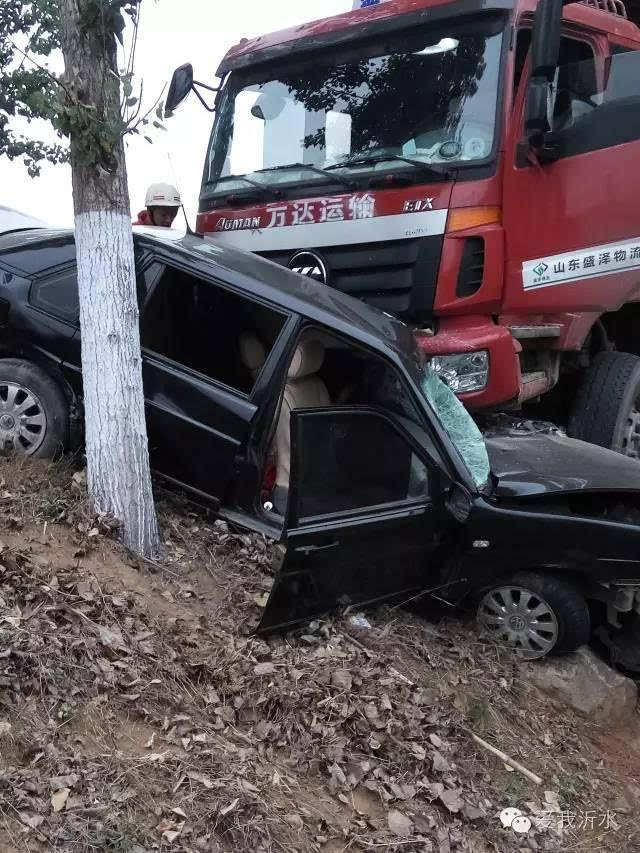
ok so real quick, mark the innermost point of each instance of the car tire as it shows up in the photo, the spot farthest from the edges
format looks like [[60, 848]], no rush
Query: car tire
[[562, 620], [39, 430], [606, 410]]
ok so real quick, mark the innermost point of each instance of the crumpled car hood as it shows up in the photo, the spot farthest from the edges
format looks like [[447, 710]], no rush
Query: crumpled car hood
[[542, 464]]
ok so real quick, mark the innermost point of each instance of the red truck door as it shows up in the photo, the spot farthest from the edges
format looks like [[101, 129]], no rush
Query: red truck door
[[573, 225]]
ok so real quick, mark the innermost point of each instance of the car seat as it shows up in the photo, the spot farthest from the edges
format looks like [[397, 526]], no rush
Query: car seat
[[252, 353], [303, 390]]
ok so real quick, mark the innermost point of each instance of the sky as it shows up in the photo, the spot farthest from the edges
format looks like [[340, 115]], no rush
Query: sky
[[171, 33]]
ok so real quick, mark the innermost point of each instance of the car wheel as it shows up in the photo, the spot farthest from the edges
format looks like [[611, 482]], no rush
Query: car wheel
[[34, 414], [606, 410], [536, 615]]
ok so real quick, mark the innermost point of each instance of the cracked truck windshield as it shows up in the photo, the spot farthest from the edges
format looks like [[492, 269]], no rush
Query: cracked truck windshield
[[430, 96]]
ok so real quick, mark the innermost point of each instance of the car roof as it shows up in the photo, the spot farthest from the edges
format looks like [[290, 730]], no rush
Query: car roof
[[251, 274]]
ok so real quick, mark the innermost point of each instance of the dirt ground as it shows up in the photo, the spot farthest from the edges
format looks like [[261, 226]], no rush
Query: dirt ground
[[138, 712]]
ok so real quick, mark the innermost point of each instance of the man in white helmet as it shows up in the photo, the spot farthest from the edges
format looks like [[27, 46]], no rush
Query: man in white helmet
[[162, 202]]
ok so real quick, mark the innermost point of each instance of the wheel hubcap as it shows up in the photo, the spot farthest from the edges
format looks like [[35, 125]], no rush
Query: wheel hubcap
[[23, 422], [521, 619], [631, 435]]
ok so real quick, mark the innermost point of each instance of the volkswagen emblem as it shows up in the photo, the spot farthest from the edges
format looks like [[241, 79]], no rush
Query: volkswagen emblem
[[310, 264]]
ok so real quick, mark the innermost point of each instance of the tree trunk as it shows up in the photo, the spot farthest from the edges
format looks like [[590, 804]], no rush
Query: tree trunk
[[118, 473]]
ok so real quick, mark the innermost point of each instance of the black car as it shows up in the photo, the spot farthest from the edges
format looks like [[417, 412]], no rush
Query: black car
[[297, 411]]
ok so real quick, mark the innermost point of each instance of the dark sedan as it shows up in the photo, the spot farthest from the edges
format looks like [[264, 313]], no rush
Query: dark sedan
[[297, 411]]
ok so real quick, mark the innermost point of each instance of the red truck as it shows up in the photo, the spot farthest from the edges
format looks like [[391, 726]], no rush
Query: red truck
[[470, 166]]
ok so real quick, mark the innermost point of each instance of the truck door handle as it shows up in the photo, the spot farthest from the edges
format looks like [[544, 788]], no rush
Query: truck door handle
[[310, 549]]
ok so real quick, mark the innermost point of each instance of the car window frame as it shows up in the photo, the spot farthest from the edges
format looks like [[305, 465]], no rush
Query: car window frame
[[296, 522], [570, 31], [42, 278], [212, 281]]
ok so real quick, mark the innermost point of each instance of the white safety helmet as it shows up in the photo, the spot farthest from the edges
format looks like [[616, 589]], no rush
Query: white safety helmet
[[162, 195]]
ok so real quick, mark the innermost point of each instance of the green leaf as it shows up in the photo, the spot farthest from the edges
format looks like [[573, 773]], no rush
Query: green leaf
[[160, 110], [127, 88], [131, 102], [149, 140]]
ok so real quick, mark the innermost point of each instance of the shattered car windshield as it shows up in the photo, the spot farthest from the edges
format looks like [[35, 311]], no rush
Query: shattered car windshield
[[429, 94], [459, 424]]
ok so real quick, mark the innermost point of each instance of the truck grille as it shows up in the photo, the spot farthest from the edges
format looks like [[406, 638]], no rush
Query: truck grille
[[399, 276]]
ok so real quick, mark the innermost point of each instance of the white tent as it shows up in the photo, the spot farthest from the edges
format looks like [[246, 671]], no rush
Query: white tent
[[13, 220]]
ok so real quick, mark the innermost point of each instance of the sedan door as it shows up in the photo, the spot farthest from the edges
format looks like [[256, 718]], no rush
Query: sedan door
[[199, 396], [363, 523]]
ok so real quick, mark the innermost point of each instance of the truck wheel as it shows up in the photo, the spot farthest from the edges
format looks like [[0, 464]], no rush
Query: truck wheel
[[536, 615], [606, 410], [34, 414]]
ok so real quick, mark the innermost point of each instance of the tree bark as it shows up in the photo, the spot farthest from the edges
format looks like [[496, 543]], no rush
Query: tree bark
[[118, 473]]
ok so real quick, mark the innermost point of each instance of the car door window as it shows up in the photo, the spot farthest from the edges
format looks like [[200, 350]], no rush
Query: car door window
[[575, 83], [200, 325], [597, 101], [57, 294], [352, 460]]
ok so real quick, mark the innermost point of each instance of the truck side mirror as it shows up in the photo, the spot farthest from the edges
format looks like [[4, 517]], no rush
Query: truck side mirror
[[181, 85], [545, 53]]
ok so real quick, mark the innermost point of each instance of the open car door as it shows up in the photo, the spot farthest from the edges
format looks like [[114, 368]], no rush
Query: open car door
[[362, 523]]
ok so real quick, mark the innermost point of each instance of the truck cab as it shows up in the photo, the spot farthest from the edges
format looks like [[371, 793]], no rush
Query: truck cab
[[468, 166]]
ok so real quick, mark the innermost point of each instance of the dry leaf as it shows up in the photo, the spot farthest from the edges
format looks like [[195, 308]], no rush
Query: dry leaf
[[230, 807], [58, 782], [418, 751], [440, 764], [202, 779], [295, 821], [371, 713], [33, 821], [342, 679], [399, 823], [338, 779], [171, 835], [264, 669], [452, 800], [59, 799]]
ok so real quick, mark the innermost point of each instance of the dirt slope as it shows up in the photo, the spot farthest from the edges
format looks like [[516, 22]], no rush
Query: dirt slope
[[137, 712]]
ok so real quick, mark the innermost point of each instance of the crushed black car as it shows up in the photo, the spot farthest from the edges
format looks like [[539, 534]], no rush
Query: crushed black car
[[294, 410]]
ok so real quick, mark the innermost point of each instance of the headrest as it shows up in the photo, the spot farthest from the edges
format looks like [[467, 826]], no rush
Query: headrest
[[307, 359], [252, 351]]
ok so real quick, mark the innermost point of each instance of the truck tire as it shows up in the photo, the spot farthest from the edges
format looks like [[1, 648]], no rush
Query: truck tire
[[536, 614], [34, 413], [606, 410]]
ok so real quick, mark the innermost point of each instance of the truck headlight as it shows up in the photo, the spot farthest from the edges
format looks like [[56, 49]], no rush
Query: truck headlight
[[463, 372]]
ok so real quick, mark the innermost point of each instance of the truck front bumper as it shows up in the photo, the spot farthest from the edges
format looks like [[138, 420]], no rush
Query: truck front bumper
[[469, 335]]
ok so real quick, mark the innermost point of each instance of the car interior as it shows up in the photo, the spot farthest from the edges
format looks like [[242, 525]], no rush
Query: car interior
[[327, 371], [199, 325]]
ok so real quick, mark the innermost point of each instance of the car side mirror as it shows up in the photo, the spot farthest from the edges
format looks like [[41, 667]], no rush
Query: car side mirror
[[545, 53], [459, 503], [181, 85]]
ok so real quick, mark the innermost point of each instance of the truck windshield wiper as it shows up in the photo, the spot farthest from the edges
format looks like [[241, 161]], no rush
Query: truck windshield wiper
[[433, 171], [262, 187], [324, 172]]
